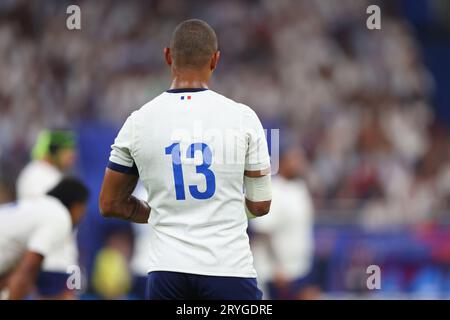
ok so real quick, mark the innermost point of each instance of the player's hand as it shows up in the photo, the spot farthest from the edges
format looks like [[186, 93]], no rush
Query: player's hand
[[281, 281]]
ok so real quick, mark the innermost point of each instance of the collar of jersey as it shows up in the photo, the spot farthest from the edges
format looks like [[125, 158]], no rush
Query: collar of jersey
[[181, 90]]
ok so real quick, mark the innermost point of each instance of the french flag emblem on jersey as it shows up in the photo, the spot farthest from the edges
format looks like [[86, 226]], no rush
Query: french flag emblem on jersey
[[185, 97]]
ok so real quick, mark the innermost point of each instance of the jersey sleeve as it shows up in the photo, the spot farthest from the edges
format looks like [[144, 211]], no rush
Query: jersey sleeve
[[50, 234], [121, 158], [257, 155]]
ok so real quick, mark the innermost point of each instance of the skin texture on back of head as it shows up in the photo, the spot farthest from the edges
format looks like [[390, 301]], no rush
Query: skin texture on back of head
[[193, 44], [192, 54]]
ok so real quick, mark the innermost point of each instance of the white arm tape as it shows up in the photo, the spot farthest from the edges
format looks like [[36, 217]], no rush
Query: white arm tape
[[258, 189]]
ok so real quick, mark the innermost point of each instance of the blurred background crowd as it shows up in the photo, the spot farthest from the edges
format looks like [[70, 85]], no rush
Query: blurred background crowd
[[368, 108]]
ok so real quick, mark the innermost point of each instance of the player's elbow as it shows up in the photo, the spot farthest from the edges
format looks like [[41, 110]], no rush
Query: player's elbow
[[106, 207], [260, 208], [105, 210]]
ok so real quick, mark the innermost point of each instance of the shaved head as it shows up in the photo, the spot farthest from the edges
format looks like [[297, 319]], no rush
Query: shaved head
[[193, 44]]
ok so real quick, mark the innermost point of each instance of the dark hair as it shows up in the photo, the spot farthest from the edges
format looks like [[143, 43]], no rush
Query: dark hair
[[70, 191], [193, 43]]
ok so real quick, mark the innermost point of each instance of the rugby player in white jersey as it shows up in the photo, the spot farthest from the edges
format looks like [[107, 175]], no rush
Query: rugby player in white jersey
[[195, 151], [139, 259], [283, 242], [30, 230], [53, 156]]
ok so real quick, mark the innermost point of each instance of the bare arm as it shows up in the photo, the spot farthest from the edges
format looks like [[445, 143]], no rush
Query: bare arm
[[22, 279], [116, 200], [258, 208]]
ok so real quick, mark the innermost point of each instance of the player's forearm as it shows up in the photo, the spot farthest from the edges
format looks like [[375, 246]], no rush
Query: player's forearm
[[256, 209], [140, 210], [258, 193], [21, 281], [131, 209], [19, 285]]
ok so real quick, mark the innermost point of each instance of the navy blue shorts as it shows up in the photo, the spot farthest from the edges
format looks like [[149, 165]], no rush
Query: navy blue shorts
[[49, 284], [139, 288], [165, 285]]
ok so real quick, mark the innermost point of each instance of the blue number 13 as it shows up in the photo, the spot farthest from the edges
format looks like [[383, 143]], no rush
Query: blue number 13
[[175, 151]]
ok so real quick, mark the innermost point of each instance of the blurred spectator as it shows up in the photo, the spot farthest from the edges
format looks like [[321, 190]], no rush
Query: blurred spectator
[[53, 156]]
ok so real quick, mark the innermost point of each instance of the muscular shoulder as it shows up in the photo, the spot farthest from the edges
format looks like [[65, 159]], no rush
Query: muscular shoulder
[[238, 106], [151, 105]]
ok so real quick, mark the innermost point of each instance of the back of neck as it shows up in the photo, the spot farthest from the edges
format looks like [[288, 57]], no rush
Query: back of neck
[[190, 79]]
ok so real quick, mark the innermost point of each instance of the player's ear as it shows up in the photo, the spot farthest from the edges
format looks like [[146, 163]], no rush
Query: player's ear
[[168, 56], [215, 60]]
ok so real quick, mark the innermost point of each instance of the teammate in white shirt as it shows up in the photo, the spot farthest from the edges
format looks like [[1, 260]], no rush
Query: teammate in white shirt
[[282, 242], [32, 229], [195, 151], [53, 155], [139, 259]]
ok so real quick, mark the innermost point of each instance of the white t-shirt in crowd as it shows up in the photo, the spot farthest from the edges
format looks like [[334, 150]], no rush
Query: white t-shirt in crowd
[[290, 226], [41, 225], [190, 148]]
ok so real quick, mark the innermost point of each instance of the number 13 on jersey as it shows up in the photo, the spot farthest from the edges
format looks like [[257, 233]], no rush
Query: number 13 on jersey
[[203, 169]]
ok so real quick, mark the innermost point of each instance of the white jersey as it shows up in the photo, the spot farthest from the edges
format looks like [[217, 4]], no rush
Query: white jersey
[[139, 260], [35, 180], [290, 225], [40, 225], [190, 148]]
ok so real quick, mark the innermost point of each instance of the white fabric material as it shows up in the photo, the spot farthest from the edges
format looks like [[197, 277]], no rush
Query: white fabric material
[[35, 180], [258, 189], [41, 225], [140, 259], [290, 226], [199, 236]]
